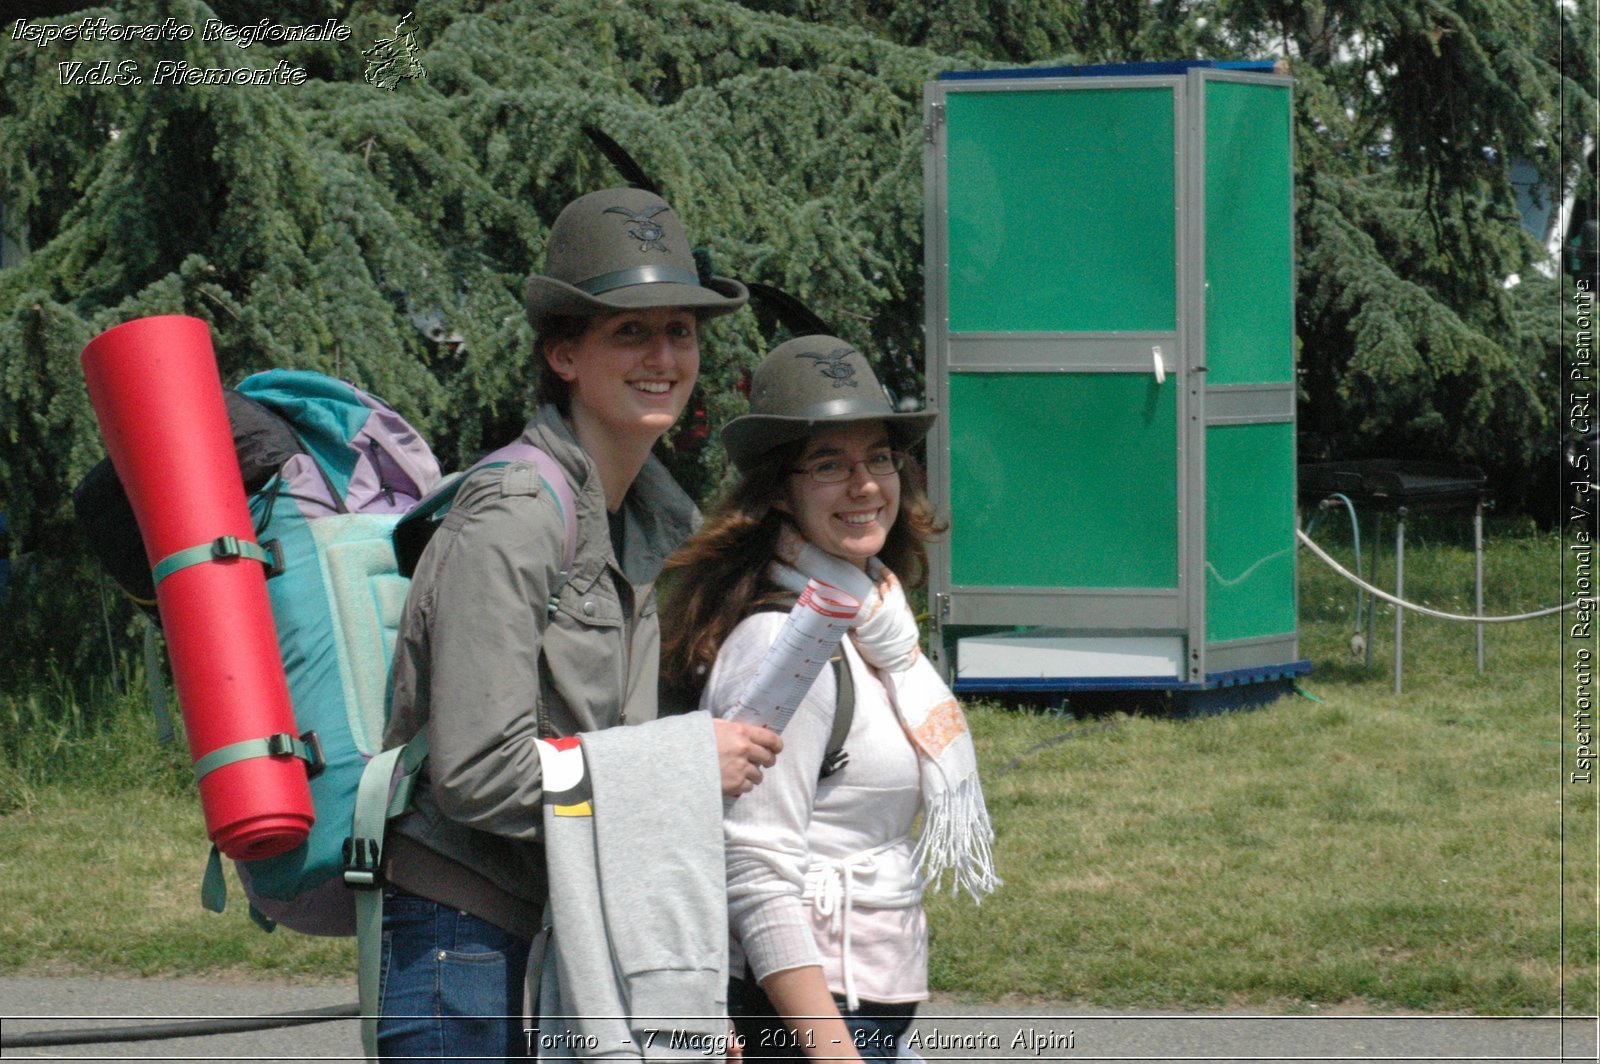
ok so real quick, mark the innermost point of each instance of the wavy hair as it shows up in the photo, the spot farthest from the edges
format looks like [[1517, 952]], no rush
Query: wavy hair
[[719, 576]]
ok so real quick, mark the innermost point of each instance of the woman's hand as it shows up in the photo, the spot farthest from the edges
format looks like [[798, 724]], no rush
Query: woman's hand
[[743, 750]]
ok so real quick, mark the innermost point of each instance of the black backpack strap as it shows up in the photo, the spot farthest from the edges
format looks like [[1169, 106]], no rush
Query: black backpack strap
[[835, 757]]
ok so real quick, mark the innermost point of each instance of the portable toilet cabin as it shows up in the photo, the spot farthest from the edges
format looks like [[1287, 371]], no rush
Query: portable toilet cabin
[[1110, 326]]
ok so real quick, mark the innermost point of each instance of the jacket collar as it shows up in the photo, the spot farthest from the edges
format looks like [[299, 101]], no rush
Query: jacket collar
[[657, 514]]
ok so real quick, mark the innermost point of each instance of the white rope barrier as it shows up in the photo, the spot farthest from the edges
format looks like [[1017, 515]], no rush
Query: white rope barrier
[[1470, 619]]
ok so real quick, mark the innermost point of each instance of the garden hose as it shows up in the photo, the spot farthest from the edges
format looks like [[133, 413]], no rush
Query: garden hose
[[1355, 534], [148, 1032]]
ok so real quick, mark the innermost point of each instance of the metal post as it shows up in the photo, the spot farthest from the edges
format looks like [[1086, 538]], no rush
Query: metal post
[[1363, 601], [1372, 602], [1399, 588], [1477, 547]]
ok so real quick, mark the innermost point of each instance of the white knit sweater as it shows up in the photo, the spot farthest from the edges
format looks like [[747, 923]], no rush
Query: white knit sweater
[[786, 907]]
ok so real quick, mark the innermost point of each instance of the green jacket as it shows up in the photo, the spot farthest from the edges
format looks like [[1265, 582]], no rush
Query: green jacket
[[480, 662]]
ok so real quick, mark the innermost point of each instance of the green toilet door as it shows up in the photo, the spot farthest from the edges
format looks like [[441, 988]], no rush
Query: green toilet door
[[1054, 297]]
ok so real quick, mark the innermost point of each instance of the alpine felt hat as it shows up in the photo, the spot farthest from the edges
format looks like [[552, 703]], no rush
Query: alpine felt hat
[[809, 383], [622, 249]]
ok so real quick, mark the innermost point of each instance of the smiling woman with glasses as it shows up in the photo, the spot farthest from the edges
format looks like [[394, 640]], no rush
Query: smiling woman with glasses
[[826, 481]]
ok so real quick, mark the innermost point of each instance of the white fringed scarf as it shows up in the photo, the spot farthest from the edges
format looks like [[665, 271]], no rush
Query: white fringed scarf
[[956, 834]]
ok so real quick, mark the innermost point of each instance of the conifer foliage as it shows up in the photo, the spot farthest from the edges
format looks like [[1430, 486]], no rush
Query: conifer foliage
[[383, 235]]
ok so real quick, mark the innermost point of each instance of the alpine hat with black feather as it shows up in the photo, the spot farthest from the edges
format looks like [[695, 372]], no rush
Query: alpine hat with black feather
[[809, 383], [623, 249]]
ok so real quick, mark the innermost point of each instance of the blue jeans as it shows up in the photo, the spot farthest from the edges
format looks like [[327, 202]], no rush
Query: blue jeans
[[876, 1027], [451, 984]]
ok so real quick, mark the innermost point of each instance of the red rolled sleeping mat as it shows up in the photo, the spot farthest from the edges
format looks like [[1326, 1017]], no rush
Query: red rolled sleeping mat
[[158, 396]]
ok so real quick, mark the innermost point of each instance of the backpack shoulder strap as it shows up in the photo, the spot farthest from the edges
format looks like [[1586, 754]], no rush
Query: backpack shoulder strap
[[387, 782], [555, 478], [835, 756], [411, 535], [383, 793]]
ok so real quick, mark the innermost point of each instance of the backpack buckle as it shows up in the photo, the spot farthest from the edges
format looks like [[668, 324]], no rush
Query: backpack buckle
[[307, 748], [226, 547], [361, 864], [312, 752], [274, 563]]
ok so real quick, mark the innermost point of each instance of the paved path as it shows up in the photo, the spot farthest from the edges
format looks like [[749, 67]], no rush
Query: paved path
[[946, 1030]]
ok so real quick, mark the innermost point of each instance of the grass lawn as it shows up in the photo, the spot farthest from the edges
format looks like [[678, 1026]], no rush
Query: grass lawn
[[1343, 847]]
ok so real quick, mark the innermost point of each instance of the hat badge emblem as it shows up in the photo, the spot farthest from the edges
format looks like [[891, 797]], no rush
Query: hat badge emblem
[[834, 366], [644, 228]]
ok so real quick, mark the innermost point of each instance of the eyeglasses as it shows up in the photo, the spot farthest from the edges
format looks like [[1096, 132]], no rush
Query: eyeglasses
[[838, 470]]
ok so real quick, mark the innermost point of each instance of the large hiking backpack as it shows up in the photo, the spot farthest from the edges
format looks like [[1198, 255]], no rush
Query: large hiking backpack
[[330, 472], [339, 490], [328, 514]]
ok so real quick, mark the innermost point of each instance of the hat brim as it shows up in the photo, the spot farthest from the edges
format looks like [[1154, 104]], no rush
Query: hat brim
[[750, 436], [546, 298]]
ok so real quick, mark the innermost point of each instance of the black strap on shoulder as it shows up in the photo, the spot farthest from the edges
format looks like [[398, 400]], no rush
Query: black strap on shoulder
[[844, 710]]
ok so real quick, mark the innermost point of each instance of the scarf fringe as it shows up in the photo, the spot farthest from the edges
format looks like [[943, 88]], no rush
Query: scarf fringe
[[956, 838]]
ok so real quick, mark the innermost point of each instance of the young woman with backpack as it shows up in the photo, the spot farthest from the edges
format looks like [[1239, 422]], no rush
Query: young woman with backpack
[[500, 647], [825, 878]]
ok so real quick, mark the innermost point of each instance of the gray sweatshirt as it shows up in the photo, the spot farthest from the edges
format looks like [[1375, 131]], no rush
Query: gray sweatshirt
[[633, 963]]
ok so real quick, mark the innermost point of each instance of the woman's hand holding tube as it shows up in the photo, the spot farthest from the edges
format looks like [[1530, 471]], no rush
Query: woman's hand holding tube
[[743, 750]]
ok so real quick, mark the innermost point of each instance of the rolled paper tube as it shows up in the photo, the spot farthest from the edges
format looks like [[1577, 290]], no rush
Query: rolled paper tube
[[158, 396], [810, 635]]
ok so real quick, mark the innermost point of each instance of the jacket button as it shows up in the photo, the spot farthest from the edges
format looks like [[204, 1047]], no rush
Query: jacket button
[[588, 609]]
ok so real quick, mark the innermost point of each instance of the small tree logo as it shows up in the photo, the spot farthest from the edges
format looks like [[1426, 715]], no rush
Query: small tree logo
[[394, 59]]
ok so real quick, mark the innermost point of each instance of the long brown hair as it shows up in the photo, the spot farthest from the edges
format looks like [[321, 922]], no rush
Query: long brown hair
[[719, 576]]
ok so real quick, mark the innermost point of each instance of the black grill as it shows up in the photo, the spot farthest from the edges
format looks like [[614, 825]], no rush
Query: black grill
[[1387, 483]]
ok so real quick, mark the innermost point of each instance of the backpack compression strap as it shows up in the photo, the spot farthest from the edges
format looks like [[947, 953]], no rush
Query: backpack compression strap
[[230, 548], [221, 549], [307, 748]]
